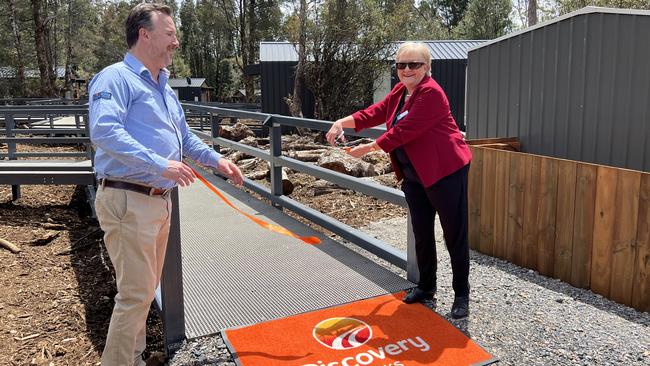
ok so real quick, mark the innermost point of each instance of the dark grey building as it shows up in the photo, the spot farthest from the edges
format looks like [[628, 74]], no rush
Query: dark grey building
[[576, 87], [191, 89], [278, 61]]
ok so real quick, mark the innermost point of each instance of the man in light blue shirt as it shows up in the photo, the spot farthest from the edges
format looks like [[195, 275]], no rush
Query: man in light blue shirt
[[139, 130]]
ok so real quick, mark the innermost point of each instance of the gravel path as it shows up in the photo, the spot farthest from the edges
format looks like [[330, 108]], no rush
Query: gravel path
[[517, 315]]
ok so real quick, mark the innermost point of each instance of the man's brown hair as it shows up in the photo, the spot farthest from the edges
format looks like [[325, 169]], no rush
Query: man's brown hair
[[140, 17]]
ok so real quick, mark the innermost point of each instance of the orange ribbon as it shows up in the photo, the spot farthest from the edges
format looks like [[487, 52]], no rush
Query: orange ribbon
[[262, 223]]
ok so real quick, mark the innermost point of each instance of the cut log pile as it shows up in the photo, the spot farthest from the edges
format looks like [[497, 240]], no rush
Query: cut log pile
[[310, 148]]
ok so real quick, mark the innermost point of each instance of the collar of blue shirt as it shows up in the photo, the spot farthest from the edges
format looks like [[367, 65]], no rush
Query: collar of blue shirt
[[139, 68]]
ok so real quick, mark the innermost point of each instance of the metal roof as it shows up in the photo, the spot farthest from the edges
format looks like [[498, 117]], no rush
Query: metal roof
[[585, 10], [182, 82], [10, 72], [440, 50]]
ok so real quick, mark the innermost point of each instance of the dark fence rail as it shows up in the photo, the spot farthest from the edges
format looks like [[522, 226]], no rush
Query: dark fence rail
[[37, 167]]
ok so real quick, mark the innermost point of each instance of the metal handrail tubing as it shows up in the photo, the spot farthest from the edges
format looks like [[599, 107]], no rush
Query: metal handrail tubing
[[256, 152], [45, 155], [359, 238], [321, 125], [371, 189], [225, 112], [314, 124], [46, 140], [44, 131], [54, 107]]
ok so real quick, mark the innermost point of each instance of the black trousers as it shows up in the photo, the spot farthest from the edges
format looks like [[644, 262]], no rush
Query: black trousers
[[447, 197]]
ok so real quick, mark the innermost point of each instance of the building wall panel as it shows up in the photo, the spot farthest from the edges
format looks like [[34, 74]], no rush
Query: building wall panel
[[577, 88]]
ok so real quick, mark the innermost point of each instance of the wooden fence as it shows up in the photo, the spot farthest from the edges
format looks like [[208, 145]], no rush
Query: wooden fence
[[586, 224]]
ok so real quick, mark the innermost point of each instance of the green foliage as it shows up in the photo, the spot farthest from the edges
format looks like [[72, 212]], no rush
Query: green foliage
[[231, 79], [347, 45], [178, 68], [426, 23], [485, 19], [269, 18], [111, 31], [567, 6]]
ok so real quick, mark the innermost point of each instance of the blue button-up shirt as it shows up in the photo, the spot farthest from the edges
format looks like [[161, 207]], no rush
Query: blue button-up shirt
[[137, 125]]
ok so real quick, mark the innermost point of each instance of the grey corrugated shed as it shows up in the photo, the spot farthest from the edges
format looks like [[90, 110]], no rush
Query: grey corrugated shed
[[182, 82], [9, 72], [577, 87], [440, 50]]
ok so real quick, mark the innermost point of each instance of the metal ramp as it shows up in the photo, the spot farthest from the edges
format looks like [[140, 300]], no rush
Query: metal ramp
[[237, 273]]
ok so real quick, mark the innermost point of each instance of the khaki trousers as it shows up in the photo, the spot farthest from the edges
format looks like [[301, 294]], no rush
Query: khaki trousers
[[136, 229]]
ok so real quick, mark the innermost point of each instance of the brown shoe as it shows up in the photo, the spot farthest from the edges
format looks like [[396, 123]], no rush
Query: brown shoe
[[156, 359]]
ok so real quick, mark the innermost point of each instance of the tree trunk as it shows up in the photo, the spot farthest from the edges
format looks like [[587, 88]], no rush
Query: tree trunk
[[252, 43], [19, 47], [51, 33], [532, 12], [40, 36], [68, 49], [295, 102]]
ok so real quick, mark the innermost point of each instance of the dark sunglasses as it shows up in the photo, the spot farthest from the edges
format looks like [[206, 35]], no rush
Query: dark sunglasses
[[411, 65]]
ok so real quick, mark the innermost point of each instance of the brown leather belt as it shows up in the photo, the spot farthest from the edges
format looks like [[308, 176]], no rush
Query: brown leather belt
[[149, 191]]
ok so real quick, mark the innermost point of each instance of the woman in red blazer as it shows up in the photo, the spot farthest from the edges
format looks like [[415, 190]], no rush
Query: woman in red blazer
[[430, 157]]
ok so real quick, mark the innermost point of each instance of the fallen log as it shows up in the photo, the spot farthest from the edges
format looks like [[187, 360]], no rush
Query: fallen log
[[260, 174], [307, 155], [287, 184], [52, 226], [245, 164], [300, 146], [46, 238], [321, 187], [10, 246]]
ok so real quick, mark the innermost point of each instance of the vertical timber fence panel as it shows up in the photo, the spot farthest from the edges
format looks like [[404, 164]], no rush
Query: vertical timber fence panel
[[474, 193], [641, 290], [586, 224]]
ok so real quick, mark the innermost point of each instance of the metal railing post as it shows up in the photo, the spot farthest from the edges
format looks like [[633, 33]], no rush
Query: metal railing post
[[11, 150], [214, 131], [275, 141], [412, 271], [51, 117], [171, 286]]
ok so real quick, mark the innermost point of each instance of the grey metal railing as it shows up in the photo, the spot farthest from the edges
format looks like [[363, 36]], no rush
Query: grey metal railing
[[15, 170], [170, 303], [277, 161]]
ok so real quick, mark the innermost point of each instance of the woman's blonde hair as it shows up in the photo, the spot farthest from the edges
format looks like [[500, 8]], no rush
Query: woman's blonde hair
[[417, 47]]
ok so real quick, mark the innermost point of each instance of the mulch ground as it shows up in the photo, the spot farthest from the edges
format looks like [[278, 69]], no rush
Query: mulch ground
[[57, 293]]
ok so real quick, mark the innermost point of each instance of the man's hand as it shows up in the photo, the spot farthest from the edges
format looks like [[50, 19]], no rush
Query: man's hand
[[362, 150], [179, 173], [231, 170]]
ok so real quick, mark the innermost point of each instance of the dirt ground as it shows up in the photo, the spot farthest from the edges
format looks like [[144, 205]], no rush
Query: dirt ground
[[56, 295]]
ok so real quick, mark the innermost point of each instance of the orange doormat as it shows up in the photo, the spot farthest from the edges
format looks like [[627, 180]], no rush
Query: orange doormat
[[382, 331]]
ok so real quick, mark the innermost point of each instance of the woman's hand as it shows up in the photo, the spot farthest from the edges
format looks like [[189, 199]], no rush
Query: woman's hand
[[362, 150], [335, 132]]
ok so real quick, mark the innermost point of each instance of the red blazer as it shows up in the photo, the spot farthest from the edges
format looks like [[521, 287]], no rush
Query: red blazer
[[428, 132]]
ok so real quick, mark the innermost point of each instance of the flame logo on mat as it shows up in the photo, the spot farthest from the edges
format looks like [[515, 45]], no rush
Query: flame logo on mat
[[342, 333]]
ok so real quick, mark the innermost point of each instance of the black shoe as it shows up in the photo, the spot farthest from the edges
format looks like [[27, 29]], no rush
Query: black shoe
[[460, 309], [417, 295]]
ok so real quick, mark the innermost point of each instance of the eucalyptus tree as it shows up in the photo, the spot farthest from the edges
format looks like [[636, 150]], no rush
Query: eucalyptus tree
[[250, 21], [485, 19], [110, 17], [347, 45], [566, 6]]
